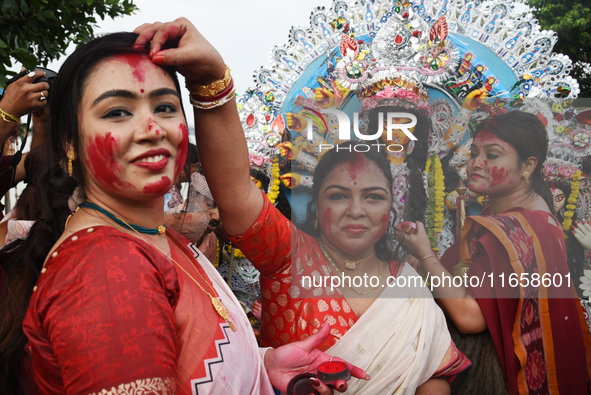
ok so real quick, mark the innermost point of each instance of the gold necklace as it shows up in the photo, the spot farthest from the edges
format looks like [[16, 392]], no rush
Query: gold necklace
[[216, 302], [533, 197], [328, 258], [352, 264]]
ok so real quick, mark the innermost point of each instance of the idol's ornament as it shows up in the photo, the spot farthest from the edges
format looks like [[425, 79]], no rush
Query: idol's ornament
[[447, 63]]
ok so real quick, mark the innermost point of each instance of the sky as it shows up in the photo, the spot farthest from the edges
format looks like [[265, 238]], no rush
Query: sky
[[242, 31]]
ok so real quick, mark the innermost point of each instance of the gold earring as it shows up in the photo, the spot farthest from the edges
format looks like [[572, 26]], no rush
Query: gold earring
[[70, 166], [526, 176]]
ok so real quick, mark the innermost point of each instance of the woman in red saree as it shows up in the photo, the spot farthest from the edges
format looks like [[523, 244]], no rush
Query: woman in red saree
[[121, 305], [524, 296]]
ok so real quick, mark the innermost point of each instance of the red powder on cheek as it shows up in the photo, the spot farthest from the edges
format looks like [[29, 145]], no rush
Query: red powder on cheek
[[134, 61], [182, 150], [160, 186], [498, 176], [102, 162], [325, 222]]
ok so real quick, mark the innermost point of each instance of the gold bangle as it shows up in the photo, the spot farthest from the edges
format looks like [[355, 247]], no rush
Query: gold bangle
[[212, 89], [425, 257], [11, 118]]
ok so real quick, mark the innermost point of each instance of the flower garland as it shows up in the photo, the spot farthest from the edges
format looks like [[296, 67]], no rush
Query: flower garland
[[217, 254], [572, 201], [439, 196], [435, 181], [430, 223], [274, 191]]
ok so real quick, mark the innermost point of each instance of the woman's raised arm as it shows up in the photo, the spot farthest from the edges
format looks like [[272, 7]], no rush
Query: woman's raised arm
[[220, 138]]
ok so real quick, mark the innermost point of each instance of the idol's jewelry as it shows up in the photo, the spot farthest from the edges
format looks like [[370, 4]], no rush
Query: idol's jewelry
[[140, 229], [351, 265], [328, 258], [70, 159]]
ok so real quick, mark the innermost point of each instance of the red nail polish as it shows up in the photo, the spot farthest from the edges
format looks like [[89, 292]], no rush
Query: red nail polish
[[150, 53], [158, 59], [315, 382]]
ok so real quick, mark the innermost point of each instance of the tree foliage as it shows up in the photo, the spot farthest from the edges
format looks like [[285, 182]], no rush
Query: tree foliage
[[34, 32], [571, 19]]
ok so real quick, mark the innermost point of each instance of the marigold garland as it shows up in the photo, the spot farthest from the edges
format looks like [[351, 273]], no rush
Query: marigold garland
[[217, 254], [430, 223], [572, 202], [436, 183], [274, 190]]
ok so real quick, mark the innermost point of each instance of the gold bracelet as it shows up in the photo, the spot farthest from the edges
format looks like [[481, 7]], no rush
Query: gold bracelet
[[425, 257], [212, 89], [11, 118]]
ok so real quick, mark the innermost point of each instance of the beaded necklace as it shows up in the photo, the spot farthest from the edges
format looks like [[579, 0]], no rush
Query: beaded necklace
[[149, 231]]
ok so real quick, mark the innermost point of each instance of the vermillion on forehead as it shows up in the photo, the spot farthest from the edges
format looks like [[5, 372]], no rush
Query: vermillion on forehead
[[138, 63], [101, 152], [182, 150], [159, 187], [357, 164]]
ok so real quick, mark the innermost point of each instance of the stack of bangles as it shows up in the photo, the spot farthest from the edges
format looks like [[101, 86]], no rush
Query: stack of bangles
[[218, 93]]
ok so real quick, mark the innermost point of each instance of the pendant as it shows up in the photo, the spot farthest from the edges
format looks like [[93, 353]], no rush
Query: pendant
[[222, 312], [350, 265]]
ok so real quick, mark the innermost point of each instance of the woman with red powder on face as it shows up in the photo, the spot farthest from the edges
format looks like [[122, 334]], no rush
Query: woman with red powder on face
[[534, 337], [118, 304], [401, 336]]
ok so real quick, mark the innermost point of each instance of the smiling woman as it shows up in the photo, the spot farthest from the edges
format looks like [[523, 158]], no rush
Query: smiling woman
[[121, 302]]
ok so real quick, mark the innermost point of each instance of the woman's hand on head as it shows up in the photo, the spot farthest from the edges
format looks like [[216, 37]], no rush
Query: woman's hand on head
[[418, 244], [179, 44], [286, 362]]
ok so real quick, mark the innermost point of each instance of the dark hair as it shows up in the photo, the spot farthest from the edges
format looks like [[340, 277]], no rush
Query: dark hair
[[416, 197], [17, 280], [57, 187], [526, 133], [386, 247]]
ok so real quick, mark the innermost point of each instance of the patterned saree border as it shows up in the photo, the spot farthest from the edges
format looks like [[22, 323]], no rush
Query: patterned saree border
[[149, 386]]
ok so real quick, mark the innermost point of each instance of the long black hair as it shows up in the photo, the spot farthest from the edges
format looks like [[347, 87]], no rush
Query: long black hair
[[57, 187], [387, 247]]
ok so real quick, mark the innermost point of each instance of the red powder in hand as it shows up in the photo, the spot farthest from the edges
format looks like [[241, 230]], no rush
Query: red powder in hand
[[332, 367]]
